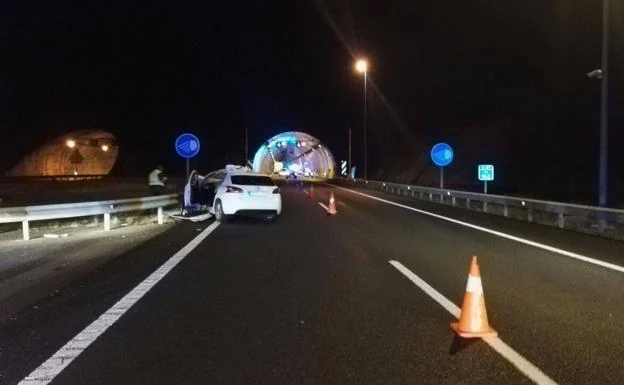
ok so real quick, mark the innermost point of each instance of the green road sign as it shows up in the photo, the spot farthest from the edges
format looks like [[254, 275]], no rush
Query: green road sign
[[486, 172]]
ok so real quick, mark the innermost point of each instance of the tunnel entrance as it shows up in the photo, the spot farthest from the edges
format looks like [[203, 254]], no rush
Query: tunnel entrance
[[295, 152]]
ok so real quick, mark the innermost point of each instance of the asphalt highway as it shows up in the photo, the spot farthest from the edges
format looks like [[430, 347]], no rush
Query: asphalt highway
[[314, 299]]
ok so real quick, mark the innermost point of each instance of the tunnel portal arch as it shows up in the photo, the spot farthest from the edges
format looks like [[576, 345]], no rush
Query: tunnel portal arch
[[295, 151], [83, 152]]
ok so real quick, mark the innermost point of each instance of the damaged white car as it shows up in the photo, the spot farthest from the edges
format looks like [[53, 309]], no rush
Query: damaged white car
[[233, 191]]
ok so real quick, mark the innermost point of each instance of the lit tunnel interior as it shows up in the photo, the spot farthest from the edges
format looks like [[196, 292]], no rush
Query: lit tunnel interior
[[296, 152]]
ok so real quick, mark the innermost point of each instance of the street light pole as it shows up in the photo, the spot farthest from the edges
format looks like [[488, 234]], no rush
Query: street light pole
[[365, 128], [604, 108], [350, 165], [362, 67]]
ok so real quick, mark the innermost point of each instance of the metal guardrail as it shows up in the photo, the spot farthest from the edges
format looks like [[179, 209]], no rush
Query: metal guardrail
[[607, 222], [83, 209]]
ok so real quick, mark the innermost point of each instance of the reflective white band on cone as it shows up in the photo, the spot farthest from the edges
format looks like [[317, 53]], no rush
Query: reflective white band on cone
[[474, 285]]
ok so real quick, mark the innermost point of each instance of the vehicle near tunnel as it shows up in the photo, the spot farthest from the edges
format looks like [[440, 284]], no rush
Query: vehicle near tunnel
[[235, 190]]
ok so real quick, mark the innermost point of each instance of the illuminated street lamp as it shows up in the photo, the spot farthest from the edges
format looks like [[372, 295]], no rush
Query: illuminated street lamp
[[105, 147], [70, 143], [361, 66]]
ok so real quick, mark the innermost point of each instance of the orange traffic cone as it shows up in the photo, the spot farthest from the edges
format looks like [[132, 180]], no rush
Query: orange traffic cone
[[473, 322], [332, 205], [311, 193]]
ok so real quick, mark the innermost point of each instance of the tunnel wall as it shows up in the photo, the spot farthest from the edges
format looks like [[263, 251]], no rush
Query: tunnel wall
[[54, 157], [295, 147]]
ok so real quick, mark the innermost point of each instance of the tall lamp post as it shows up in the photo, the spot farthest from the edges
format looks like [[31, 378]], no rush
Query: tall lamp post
[[604, 97], [603, 75], [361, 66]]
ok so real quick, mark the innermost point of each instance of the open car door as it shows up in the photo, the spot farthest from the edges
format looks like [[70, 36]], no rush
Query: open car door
[[194, 207]]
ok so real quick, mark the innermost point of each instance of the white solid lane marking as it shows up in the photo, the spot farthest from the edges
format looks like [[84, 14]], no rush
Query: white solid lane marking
[[494, 232], [323, 206], [521, 363], [46, 372]]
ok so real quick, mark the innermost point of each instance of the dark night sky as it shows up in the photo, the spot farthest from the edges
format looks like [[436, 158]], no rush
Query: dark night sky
[[151, 70]]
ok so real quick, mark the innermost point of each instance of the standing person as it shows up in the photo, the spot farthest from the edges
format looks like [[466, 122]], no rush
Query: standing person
[[157, 181]]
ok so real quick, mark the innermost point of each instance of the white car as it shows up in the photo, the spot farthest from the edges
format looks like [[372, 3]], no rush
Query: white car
[[239, 191]]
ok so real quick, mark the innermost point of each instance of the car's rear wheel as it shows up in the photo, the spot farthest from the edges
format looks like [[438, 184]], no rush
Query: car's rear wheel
[[219, 214]]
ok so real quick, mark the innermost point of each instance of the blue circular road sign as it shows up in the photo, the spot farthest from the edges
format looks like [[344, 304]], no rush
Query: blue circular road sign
[[442, 154], [187, 145]]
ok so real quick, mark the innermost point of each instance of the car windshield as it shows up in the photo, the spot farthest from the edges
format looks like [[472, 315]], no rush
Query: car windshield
[[252, 180]]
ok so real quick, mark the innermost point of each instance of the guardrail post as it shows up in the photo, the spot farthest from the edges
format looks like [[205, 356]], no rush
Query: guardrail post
[[420, 195], [561, 221], [25, 230], [107, 222], [441, 198], [160, 216], [484, 206], [430, 196], [453, 200], [468, 203], [530, 215], [412, 193], [505, 211]]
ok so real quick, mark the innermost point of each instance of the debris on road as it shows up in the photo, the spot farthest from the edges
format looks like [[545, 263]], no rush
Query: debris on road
[[64, 235]]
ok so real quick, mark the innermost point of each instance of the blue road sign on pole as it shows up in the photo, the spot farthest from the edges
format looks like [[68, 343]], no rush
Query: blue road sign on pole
[[442, 156], [187, 145]]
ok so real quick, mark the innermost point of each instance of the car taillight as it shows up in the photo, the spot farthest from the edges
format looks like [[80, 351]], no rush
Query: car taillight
[[276, 190], [232, 189]]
